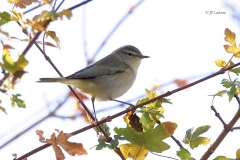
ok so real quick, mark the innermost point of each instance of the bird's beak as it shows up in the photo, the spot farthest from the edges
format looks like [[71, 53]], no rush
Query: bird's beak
[[142, 56]]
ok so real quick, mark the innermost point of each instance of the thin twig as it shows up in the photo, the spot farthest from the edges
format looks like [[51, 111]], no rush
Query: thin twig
[[78, 5], [114, 29], [163, 156], [36, 123], [218, 115], [223, 134], [109, 118], [84, 39], [59, 5]]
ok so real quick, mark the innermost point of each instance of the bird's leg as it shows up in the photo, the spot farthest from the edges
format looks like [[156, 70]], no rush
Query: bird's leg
[[93, 99], [131, 105]]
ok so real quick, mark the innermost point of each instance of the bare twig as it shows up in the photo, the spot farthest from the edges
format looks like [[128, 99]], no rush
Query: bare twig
[[163, 156], [218, 115], [109, 118], [114, 29], [223, 134], [36, 123]]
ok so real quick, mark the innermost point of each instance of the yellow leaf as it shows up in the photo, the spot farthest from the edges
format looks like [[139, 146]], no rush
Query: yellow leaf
[[220, 63], [53, 35], [238, 90], [133, 151], [230, 37], [16, 16], [238, 153], [66, 13], [22, 3], [9, 64]]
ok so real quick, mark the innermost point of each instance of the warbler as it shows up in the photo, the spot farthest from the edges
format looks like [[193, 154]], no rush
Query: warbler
[[108, 78]]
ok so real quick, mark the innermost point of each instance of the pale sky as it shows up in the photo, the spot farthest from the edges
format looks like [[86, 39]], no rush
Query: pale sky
[[182, 40]]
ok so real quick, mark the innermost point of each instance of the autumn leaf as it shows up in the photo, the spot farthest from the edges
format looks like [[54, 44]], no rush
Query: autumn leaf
[[22, 3], [238, 153], [16, 16], [133, 121], [46, 43], [4, 33], [53, 35], [66, 13], [45, 15], [133, 151], [181, 82], [17, 77], [221, 93], [35, 25], [40, 134], [232, 48], [220, 63], [58, 152], [8, 63], [71, 148]]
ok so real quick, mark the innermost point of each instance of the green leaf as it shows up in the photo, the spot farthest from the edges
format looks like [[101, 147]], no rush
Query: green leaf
[[5, 17], [184, 154], [102, 144], [2, 109], [235, 70], [199, 141], [200, 130], [223, 158], [193, 139], [164, 100], [226, 83], [114, 143], [231, 92], [15, 100], [10, 65], [151, 139], [145, 120]]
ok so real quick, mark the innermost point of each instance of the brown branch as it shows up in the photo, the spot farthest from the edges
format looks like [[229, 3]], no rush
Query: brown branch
[[109, 118], [36, 123], [218, 115], [223, 134]]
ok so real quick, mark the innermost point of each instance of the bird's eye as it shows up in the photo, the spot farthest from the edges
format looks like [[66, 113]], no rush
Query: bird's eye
[[129, 54]]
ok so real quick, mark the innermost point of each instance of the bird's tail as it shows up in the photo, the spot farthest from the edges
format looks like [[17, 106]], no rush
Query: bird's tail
[[60, 79]]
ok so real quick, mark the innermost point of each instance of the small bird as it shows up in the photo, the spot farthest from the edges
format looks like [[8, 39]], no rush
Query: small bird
[[108, 78]]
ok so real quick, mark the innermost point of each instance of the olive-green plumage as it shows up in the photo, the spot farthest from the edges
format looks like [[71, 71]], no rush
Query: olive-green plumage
[[109, 77]]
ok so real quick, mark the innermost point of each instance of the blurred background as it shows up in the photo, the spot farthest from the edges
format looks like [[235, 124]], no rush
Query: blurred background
[[183, 39]]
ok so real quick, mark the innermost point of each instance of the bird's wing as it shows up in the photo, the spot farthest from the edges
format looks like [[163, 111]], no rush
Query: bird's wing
[[100, 68]]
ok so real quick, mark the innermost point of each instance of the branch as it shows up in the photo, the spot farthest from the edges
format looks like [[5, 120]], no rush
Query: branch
[[114, 29], [223, 134], [36, 123], [109, 118], [218, 115]]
